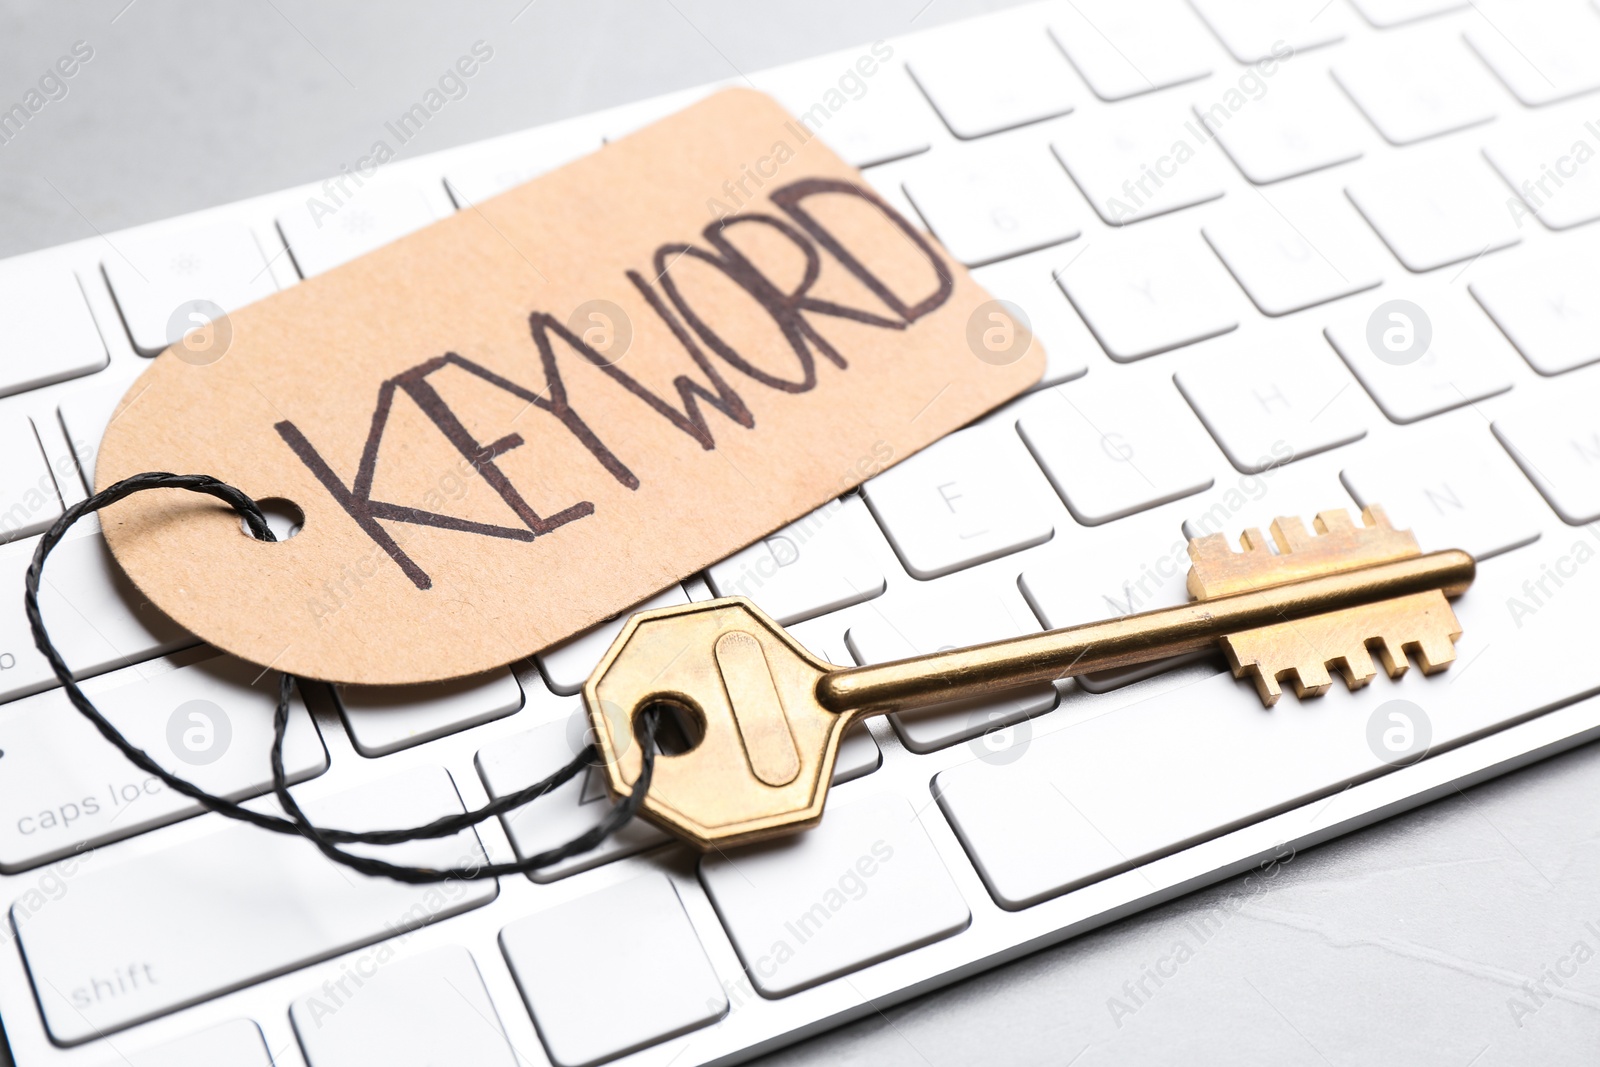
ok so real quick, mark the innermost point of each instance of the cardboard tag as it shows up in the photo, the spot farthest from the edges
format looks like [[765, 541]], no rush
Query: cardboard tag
[[532, 415]]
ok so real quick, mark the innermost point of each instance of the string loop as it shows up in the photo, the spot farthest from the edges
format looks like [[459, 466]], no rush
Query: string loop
[[327, 840]]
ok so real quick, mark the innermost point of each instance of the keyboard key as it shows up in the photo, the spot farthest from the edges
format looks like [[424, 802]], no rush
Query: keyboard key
[[1435, 212], [387, 718], [508, 764], [589, 1010], [156, 932], [1129, 164], [1545, 305], [1542, 52], [28, 498], [1256, 30], [983, 80], [209, 722], [1386, 13], [1292, 251], [1556, 444], [993, 204], [236, 1043], [1549, 165], [1420, 355], [1029, 284], [84, 416], [428, 1010], [97, 619], [1124, 49], [1149, 292], [951, 618], [864, 886], [964, 499], [1282, 397], [345, 228], [1111, 452], [1415, 88], [888, 120], [46, 332], [1075, 782], [1129, 575], [1299, 125], [1455, 489], [568, 665], [167, 283], [819, 564], [471, 182]]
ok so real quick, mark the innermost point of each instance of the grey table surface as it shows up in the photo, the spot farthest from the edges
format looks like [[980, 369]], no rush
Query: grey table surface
[[1406, 943]]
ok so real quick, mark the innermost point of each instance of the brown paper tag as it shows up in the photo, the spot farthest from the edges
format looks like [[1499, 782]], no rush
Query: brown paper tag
[[532, 415]]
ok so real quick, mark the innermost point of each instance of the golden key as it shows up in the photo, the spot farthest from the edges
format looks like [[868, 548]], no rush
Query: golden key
[[768, 715]]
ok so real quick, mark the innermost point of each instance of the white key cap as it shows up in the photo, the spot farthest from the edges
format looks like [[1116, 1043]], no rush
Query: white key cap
[[429, 1010], [1291, 251], [919, 624], [1435, 212], [864, 886], [1545, 305], [1237, 503], [989, 204], [168, 283], [1124, 49], [668, 985], [97, 618], [967, 498], [1419, 355], [471, 182], [1543, 52], [209, 722], [982, 81], [859, 754], [1029, 285], [516, 762], [882, 121], [85, 415], [1283, 396], [153, 933], [1386, 13], [1254, 30], [343, 228], [236, 1043], [1142, 160], [567, 666], [1146, 293], [28, 498], [1456, 489], [1298, 125], [1075, 782], [1414, 88], [1111, 452], [387, 718], [1550, 167], [1129, 575], [46, 332], [1556, 444], [819, 564]]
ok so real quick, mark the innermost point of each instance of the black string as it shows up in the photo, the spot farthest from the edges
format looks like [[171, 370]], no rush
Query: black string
[[326, 840]]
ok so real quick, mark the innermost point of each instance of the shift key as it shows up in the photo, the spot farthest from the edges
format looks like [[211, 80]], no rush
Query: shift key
[[140, 939]]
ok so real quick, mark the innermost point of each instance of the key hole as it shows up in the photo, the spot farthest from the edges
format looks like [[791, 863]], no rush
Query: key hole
[[681, 728], [284, 517]]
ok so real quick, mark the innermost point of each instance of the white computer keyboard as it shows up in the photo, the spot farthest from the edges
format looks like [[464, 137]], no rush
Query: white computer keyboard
[[1206, 210]]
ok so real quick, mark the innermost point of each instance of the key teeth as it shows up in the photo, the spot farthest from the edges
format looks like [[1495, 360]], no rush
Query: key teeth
[[1356, 667], [1375, 517], [1290, 534], [1336, 520]]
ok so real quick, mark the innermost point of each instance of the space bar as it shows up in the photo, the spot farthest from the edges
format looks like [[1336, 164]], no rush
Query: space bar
[[135, 940], [1152, 778]]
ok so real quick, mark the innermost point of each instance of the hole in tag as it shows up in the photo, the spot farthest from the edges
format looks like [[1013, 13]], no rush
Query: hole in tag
[[680, 728], [284, 517]]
